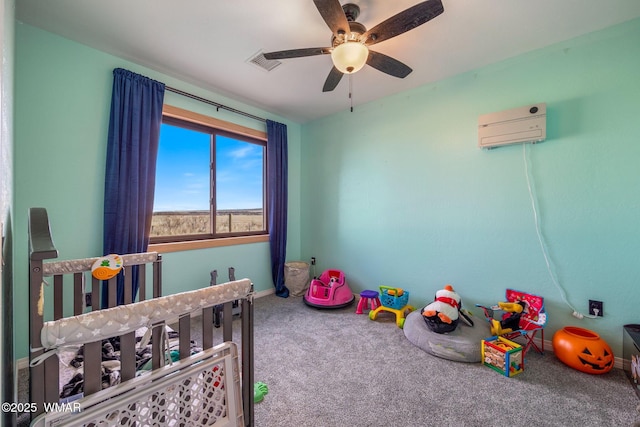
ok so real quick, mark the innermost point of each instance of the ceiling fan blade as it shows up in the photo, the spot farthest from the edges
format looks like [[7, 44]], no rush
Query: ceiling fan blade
[[387, 64], [297, 53], [332, 80], [404, 21], [332, 13]]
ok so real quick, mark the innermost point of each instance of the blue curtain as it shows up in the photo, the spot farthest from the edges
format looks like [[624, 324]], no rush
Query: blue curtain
[[132, 148], [277, 202]]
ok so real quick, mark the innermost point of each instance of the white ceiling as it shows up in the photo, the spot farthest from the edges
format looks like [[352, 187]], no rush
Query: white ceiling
[[208, 42]]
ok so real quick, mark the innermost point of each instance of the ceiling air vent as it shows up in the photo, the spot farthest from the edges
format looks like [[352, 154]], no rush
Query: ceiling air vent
[[262, 62]]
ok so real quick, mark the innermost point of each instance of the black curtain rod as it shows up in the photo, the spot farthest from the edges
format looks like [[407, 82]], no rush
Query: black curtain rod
[[215, 104]]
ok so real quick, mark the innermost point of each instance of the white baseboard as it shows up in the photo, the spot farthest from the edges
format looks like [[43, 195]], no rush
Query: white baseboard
[[22, 363], [261, 294], [548, 345]]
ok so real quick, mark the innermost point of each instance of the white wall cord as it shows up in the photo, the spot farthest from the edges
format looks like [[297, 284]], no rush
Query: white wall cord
[[543, 246]]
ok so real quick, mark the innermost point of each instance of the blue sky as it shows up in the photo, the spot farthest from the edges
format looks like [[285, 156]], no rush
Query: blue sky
[[182, 174]]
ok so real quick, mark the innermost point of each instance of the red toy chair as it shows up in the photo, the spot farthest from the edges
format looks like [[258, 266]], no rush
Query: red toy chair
[[530, 320]]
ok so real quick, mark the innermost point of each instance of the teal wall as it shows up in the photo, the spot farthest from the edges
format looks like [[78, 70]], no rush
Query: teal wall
[[63, 95], [397, 192], [7, 23]]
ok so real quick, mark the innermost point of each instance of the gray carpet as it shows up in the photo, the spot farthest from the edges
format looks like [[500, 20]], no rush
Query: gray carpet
[[335, 368]]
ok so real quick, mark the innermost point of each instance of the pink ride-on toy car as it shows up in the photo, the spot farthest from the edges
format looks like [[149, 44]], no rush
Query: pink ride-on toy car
[[330, 290]]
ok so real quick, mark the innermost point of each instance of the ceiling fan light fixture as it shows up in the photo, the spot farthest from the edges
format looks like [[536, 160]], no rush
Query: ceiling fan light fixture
[[349, 57]]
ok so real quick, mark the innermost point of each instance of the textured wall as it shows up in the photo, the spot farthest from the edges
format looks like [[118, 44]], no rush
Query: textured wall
[[7, 13], [62, 114], [397, 192]]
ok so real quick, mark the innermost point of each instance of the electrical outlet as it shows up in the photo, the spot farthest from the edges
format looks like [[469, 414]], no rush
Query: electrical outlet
[[595, 308], [313, 260], [87, 299]]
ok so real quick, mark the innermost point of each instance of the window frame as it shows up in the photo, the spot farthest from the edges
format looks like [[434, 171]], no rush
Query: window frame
[[186, 242]]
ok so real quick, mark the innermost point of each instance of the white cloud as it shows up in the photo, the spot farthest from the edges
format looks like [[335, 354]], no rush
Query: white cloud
[[242, 152]]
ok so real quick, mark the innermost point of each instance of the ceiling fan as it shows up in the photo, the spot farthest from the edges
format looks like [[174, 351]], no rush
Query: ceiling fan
[[350, 42]]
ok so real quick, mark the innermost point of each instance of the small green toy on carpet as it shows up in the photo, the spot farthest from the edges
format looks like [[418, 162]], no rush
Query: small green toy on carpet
[[259, 392]]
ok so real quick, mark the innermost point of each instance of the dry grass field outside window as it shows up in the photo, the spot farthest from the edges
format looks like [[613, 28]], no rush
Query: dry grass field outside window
[[198, 222]]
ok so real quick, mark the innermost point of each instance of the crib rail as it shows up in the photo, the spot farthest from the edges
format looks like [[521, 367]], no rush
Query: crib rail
[[44, 383], [76, 274]]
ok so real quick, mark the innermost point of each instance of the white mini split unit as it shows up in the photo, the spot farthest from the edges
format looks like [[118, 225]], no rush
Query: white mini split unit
[[524, 124]]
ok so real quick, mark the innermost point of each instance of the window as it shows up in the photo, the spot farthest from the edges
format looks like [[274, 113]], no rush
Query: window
[[210, 181]]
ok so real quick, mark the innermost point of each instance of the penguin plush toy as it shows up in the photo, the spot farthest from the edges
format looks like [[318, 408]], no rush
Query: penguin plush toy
[[443, 314]]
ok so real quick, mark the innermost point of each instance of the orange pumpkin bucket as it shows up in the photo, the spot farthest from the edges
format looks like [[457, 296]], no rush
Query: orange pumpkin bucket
[[583, 350]]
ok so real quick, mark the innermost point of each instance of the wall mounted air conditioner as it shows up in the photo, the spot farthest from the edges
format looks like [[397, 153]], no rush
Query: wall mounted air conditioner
[[524, 124]]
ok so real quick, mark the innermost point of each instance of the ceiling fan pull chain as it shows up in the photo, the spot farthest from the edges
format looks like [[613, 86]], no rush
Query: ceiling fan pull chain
[[351, 92]]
